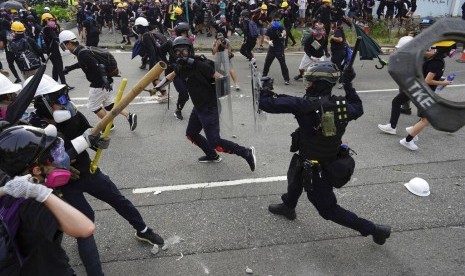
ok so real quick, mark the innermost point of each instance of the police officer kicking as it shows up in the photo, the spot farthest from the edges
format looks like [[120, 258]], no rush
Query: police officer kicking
[[199, 77], [322, 162], [275, 36]]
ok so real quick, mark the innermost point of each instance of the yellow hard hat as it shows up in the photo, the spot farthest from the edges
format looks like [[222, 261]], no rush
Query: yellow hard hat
[[264, 7], [120, 5], [444, 44], [17, 27], [13, 11], [47, 16], [326, 1], [125, 4], [178, 11], [116, 1], [284, 4]]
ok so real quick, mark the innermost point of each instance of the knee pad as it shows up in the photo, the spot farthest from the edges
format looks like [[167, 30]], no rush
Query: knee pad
[[109, 107], [97, 111]]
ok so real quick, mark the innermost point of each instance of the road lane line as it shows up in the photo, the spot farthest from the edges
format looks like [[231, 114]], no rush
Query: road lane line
[[209, 184]]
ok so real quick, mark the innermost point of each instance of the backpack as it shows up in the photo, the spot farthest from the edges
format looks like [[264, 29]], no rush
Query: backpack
[[25, 58], [42, 44], [105, 58], [306, 35], [10, 257], [253, 29]]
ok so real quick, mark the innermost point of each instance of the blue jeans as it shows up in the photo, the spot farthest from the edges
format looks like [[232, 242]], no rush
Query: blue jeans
[[208, 120], [101, 187]]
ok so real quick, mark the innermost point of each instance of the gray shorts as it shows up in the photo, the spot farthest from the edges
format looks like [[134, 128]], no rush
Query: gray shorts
[[99, 97]]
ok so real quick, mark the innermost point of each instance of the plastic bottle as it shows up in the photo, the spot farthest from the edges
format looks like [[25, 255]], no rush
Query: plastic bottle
[[451, 77]]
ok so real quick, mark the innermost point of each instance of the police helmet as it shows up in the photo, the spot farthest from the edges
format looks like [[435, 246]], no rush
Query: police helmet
[[181, 27], [21, 146], [322, 71]]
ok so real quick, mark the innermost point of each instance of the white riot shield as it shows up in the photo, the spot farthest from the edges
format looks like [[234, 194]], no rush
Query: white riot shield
[[259, 115], [223, 92]]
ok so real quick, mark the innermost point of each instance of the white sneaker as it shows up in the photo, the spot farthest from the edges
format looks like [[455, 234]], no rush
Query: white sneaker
[[410, 145], [387, 128], [409, 129]]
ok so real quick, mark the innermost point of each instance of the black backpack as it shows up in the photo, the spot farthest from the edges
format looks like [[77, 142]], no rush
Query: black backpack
[[25, 57], [10, 257], [105, 58]]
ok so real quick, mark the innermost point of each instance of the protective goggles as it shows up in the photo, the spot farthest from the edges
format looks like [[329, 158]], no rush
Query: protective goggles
[[182, 52]]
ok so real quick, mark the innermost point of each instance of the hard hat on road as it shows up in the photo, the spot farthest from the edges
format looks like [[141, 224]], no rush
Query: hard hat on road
[[418, 186]]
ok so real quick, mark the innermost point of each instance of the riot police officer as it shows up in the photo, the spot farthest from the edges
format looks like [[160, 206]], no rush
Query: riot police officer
[[321, 162]]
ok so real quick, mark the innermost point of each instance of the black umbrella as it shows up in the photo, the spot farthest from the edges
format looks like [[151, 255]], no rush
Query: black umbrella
[[369, 49], [11, 5], [19, 105]]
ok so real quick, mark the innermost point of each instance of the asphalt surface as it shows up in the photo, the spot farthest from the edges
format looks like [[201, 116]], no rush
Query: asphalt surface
[[225, 229]]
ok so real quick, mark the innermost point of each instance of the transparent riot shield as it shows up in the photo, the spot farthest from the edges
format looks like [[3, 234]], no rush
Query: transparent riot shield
[[259, 116], [223, 92]]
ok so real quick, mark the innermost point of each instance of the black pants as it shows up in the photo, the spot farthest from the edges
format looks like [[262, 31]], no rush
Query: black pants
[[10, 58], [397, 102], [337, 57], [270, 56], [183, 96], [289, 35], [247, 47], [321, 195], [57, 70]]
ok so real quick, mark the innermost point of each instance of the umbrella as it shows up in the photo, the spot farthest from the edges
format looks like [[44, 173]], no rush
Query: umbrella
[[19, 105], [11, 5], [369, 49]]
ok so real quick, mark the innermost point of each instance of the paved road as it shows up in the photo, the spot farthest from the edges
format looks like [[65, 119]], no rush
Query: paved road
[[224, 229]]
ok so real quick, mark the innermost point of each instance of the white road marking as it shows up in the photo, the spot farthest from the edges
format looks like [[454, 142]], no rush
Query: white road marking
[[209, 184]]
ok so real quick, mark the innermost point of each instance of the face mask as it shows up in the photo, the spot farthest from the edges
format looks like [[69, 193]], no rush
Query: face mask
[[185, 61], [57, 178], [51, 24], [65, 114]]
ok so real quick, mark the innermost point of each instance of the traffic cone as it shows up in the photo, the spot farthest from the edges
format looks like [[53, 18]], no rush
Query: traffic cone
[[462, 58]]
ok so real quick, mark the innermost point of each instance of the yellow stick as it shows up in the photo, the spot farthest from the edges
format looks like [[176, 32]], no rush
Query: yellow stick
[[106, 133], [136, 90]]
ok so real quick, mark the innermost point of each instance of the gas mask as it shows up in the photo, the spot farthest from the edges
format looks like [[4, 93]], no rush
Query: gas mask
[[58, 157], [318, 32]]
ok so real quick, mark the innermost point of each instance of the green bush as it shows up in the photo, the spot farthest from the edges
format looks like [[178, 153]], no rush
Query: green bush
[[59, 12]]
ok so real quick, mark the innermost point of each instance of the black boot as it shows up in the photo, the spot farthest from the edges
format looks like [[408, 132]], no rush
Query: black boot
[[382, 232], [282, 210]]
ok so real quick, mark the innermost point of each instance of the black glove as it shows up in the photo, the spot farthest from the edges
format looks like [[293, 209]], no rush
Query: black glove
[[348, 75], [43, 59], [267, 93], [66, 70], [95, 140], [107, 86]]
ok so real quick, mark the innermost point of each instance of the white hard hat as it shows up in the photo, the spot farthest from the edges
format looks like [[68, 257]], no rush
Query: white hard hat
[[7, 87], [418, 186], [46, 9], [66, 35], [403, 40], [141, 21], [47, 85]]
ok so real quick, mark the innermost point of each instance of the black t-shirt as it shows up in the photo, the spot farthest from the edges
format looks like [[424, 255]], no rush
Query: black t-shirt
[[436, 66], [275, 36], [200, 84], [338, 45], [39, 241]]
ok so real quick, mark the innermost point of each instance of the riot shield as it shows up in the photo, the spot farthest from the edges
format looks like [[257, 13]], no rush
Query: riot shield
[[223, 92], [259, 116], [405, 67]]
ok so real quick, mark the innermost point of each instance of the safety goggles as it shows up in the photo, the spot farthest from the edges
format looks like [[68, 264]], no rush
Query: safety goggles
[[181, 52]]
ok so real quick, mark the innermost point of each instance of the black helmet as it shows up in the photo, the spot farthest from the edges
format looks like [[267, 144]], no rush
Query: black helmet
[[30, 18], [324, 71], [181, 27], [20, 147], [181, 43], [245, 13]]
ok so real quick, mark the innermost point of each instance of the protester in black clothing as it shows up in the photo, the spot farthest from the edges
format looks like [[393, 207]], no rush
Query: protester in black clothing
[[275, 38], [52, 49], [390, 6], [198, 76], [463, 10], [249, 42], [380, 9], [316, 165], [6, 36], [29, 154], [32, 28], [338, 49], [91, 31], [123, 17], [289, 21]]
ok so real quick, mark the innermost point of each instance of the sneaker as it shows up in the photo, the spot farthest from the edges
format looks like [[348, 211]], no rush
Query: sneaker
[[286, 82], [410, 145], [282, 210], [387, 129], [123, 41], [206, 159], [251, 158], [178, 115], [132, 119], [298, 77], [409, 129], [143, 66], [150, 237], [382, 232], [238, 88], [112, 127]]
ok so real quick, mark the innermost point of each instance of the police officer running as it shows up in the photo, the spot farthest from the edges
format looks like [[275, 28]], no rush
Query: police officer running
[[200, 81], [322, 162]]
